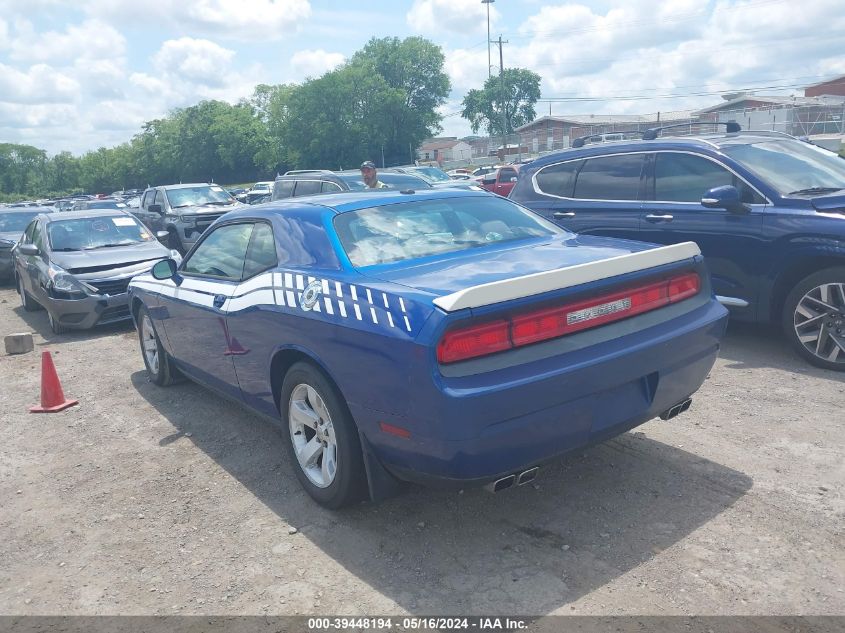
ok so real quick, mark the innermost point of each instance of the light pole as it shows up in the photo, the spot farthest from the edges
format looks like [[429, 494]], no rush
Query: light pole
[[488, 3]]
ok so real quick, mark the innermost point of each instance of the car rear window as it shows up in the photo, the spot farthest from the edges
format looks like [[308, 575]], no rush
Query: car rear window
[[412, 230]]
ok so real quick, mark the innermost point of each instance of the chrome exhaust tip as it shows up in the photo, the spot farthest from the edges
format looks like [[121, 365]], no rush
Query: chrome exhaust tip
[[501, 484], [676, 410], [527, 476]]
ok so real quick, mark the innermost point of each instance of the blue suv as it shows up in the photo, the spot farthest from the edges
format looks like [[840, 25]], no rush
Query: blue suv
[[766, 209]]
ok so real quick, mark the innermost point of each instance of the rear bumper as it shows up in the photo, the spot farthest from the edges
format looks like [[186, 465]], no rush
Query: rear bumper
[[586, 398]]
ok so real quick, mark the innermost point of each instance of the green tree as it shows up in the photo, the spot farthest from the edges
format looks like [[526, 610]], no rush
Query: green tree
[[271, 105], [22, 169], [413, 68], [337, 121], [499, 109]]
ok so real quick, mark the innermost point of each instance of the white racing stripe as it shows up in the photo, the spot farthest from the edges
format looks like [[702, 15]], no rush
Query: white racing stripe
[[538, 283]]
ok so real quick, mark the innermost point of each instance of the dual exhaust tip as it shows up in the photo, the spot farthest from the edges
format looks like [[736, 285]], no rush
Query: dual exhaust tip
[[527, 476], [677, 409], [518, 479]]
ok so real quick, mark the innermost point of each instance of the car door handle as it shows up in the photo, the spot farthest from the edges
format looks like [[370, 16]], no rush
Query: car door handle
[[651, 217], [219, 300], [564, 214]]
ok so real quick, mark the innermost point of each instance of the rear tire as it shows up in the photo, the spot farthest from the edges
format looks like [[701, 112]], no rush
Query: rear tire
[[322, 440], [814, 318], [159, 368], [27, 302]]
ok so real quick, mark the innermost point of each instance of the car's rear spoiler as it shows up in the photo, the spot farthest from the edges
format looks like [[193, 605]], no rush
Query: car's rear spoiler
[[538, 283]]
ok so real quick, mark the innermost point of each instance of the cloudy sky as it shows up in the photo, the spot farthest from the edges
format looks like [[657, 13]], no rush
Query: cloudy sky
[[77, 75]]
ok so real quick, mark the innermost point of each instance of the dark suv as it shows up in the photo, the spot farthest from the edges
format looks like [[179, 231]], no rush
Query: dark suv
[[308, 183], [184, 211], [767, 211]]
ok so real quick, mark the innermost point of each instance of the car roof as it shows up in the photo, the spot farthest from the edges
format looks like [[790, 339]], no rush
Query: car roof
[[347, 201], [44, 209], [185, 185], [711, 142], [85, 213]]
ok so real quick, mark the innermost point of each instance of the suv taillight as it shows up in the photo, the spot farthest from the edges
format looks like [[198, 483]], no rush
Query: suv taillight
[[541, 325]]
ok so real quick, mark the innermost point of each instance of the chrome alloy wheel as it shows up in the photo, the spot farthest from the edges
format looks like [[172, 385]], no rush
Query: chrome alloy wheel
[[313, 436], [819, 322], [149, 344]]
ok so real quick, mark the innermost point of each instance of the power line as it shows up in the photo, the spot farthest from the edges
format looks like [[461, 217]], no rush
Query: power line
[[544, 34]]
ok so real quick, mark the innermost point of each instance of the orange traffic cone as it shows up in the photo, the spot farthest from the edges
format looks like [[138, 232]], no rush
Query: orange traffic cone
[[52, 396]]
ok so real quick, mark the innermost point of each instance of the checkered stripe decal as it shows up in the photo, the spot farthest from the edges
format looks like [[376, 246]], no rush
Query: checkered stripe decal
[[346, 301]]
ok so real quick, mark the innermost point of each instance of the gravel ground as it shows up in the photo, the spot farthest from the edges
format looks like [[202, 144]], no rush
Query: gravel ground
[[144, 500]]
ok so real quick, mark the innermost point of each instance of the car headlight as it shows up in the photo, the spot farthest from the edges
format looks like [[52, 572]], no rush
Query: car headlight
[[63, 283], [7, 243], [184, 219]]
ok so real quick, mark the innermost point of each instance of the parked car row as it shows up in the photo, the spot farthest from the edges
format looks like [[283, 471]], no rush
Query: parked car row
[[481, 321]]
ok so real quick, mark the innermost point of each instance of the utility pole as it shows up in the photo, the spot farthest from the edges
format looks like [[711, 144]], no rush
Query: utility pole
[[503, 98], [488, 3]]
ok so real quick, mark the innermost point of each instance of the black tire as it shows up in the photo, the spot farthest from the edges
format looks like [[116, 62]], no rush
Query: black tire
[[57, 327], [174, 243], [350, 480], [26, 301], [160, 372], [822, 327]]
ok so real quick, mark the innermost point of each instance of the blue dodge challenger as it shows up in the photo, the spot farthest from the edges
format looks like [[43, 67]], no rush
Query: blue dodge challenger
[[446, 337]]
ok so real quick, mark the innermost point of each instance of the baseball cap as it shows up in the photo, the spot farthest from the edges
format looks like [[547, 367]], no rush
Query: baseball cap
[[368, 164]]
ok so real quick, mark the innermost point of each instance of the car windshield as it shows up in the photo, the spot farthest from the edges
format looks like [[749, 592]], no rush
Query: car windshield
[[105, 204], [198, 196], [432, 174], [412, 230], [83, 234], [14, 222], [791, 166]]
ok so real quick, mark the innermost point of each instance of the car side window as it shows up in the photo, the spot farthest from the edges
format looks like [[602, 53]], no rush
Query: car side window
[[686, 178], [306, 188], [159, 199], [148, 198], [610, 177], [282, 189], [261, 252], [505, 175], [37, 236], [222, 254], [558, 180], [27, 235], [330, 187]]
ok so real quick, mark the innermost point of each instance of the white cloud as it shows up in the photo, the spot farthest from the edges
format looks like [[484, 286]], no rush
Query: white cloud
[[235, 19], [194, 61], [89, 40], [313, 63], [458, 16], [40, 84]]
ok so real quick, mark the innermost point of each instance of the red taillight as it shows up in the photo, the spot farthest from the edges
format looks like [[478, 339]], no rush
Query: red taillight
[[476, 340], [549, 323]]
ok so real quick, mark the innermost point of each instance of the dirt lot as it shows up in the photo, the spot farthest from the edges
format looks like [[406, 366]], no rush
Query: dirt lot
[[144, 500]]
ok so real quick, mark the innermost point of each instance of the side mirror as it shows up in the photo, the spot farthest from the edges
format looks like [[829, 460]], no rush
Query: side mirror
[[154, 208], [165, 269], [162, 235], [514, 179], [726, 197], [29, 249]]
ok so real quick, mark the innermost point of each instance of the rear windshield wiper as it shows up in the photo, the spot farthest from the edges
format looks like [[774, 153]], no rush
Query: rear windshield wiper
[[813, 190]]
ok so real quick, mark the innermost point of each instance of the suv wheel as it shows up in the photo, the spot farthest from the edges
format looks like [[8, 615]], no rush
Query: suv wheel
[[814, 318], [322, 440], [174, 243]]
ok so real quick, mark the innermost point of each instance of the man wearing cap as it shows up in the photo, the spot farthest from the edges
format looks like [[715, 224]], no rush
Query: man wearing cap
[[368, 171]]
